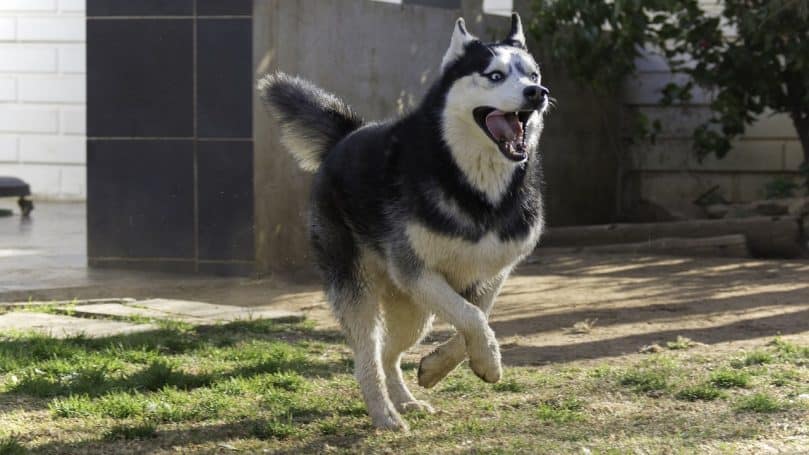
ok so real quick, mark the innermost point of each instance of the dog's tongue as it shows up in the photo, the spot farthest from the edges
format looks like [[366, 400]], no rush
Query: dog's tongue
[[504, 126]]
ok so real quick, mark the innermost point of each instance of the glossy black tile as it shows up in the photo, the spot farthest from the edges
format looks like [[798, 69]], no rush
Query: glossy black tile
[[225, 78], [140, 7], [224, 7], [151, 265], [225, 200], [140, 199], [227, 268], [140, 78]]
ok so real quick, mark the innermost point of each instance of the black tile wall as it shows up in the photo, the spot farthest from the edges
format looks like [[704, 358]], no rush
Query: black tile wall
[[141, 7], [140, 198], [169, 122], [225, 8], [140, 78], [226, 268], [224, 78], [154, 265], [449, 4], [225, 192]]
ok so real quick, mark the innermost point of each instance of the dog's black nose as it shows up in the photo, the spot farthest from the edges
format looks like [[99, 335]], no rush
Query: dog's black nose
[[535, 93]]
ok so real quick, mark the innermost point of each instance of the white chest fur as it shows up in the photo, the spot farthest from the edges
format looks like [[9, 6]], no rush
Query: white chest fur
[[463, 262]]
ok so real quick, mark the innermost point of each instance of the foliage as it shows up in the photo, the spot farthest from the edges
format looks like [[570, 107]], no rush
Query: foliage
[[760, 62], [753, 58], [780, 187], [598, 42]]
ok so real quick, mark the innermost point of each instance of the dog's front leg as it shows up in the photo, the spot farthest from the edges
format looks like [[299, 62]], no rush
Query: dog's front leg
[[438, 364], [478, 340]]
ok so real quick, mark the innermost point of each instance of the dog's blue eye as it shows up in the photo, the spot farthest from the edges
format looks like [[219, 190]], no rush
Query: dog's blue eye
[[496, 76], [534, 77]]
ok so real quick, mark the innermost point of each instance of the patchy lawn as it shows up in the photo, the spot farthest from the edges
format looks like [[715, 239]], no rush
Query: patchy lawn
[[287, 387]]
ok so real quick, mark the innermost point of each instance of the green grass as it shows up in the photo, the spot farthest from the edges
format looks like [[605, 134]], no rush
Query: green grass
[[275, 429], [285, 387], [644, 380], [761, 402], [509, 385], [703, 392], [727, 379], [140, 430], [679, 343], [783, 378], [791, 352], [759, 357], [10, 445], [560, 410]]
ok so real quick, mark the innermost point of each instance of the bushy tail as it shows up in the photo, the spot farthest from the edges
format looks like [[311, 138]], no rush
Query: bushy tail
[[312, 120]]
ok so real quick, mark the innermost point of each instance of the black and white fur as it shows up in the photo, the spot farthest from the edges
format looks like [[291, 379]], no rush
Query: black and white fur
[[420, 216]]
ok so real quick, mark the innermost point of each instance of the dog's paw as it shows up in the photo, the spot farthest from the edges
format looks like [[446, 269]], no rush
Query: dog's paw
[[415, 405], [485, 360], [390, 422], [433, 368]]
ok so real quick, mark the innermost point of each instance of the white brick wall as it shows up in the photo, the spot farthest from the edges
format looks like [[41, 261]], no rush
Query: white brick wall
[[42, 95]]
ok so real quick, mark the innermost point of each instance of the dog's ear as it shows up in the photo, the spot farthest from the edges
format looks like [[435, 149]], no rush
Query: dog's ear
[[516, 36], [460, 38]]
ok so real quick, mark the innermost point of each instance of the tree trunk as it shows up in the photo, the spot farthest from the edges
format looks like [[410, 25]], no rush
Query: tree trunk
[[801, 123]]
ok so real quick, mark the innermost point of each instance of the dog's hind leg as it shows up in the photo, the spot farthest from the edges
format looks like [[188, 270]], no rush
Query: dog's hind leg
[[405, 325], [438, 364], [359, 314]]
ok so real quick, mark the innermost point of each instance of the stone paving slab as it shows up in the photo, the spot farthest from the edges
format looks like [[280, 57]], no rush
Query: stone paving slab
[[36, 303], [211, 312], [119, 310], [61, 326]]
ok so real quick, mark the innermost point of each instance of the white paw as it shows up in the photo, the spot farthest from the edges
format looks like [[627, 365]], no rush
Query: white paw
[[390, 420], [415, 405], [484, 358], [434, 367]]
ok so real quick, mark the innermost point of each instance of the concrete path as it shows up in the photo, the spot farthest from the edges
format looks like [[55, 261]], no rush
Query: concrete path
[[93, 319], [61, 326]]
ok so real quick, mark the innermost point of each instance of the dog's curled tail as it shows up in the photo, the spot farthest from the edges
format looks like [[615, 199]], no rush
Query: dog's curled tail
[[312, 120]]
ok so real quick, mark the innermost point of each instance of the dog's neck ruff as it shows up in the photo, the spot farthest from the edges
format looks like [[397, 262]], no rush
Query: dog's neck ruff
[[483, 166]]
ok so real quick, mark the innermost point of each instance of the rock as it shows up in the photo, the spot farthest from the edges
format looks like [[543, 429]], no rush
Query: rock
[[646, 211], [651, 349], [716, 211], [771, 208], [799, 207]]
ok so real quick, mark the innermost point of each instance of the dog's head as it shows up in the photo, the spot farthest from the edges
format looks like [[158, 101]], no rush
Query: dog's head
[[496, 86]]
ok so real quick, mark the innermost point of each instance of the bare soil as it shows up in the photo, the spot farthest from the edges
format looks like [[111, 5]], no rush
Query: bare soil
[[623, 302]]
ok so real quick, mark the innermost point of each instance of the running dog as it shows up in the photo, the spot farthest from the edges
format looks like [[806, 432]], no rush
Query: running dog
[[423, 215]]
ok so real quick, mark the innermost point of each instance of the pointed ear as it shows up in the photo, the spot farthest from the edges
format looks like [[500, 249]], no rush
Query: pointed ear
[[460, 38], [516, 36]]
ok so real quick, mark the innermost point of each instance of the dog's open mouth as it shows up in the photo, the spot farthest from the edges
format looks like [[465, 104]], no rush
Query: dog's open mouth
[[506, 129]]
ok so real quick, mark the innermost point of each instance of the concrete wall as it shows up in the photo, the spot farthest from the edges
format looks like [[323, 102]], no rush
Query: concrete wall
[[380, 58], [42, 95], [668, 171]]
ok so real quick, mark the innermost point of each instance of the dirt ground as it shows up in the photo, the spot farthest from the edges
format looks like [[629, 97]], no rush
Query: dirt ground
[[623, 302]]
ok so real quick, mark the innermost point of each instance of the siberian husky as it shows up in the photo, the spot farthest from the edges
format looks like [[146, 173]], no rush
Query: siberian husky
[[423, 215]]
